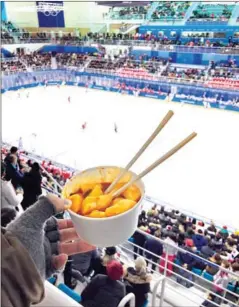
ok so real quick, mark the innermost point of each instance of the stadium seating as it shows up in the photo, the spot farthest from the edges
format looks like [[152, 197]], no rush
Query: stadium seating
[[127, 13], [170, 11], [212, 12]]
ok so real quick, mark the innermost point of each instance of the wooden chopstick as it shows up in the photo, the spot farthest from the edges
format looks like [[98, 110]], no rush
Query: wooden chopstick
[[162, 124], [156, 163]]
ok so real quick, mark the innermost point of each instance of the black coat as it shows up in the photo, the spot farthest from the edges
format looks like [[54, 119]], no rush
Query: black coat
[[138, 286], [153, 246], [13, 174], [32, 188], [103, 292], [139, 238]]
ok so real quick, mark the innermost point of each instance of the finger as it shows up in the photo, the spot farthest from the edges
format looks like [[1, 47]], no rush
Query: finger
[[67, 235], [59, 203], [75, 247], [62, 224], [59, 261]]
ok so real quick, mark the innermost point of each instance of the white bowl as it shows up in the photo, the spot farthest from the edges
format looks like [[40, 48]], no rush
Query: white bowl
[[110, 231]]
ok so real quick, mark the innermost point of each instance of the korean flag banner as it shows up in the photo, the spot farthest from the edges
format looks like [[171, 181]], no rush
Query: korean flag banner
[[50, 14]]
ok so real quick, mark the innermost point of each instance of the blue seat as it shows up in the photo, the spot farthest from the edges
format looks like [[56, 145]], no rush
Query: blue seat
[[75, 296], [176, 261], [207, 276], [231, 288], [52, 280], [131, 239], [197, 271]]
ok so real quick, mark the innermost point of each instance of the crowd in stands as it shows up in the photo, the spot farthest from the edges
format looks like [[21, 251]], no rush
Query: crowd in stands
[[127, 12], [207, 244], [170, 11], [185, 73], [212, 12], [13, 65], [124, 64]]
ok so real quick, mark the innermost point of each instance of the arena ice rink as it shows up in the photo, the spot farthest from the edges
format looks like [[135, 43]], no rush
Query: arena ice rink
[[201, 178]]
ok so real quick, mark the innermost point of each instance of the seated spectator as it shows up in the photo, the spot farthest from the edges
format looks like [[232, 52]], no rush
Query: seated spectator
[[105, 290], [187, 261], [153, 211], [138, 281], [207, 250], [154, 247], [213, 269], [99, 264], [189, 233], [224, 233], [31, 184], [199, 240], [13, 173], [142, 217], [13, 151], [217, 242]]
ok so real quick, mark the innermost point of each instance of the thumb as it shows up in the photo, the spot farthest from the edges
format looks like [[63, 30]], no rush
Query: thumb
[[59, 261]]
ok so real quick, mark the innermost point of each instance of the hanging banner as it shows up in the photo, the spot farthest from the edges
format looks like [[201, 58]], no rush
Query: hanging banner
[[50, 14]]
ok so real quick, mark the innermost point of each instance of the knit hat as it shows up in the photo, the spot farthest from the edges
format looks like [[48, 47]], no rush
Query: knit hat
[[110, 251], [189, 243], [114, 270]]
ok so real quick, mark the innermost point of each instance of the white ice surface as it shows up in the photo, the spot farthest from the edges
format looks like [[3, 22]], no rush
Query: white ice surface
[[203, 177]]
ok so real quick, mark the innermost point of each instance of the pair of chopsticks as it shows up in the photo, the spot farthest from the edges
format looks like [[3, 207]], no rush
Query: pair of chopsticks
[[167, 155]]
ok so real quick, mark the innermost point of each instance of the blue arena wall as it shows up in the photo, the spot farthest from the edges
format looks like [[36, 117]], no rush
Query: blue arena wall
[[192, 27], [187, 58], [109, 83], [68, 49]]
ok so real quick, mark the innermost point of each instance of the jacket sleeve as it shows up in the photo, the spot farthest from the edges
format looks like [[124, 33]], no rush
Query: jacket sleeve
[[22, 284], [90, 290]]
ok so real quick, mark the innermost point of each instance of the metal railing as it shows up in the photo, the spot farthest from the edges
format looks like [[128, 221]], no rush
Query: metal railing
[[165, 271]]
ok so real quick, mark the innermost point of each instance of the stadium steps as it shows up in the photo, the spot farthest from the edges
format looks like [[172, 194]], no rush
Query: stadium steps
[[234, 15], [192, 8], [152, 8]]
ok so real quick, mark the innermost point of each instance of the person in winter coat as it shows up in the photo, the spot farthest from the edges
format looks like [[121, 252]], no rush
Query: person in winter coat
[[154, 247], [213, 269], [139, 239], [199, 240], [31, 186], [207, 250], [13, 151], [33, 248], [187, 261], [13, 173], [99, 264], [171, 250], [138, 281], [105, 290]]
